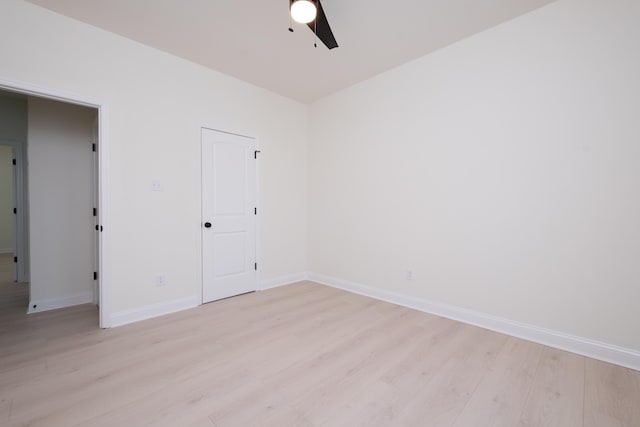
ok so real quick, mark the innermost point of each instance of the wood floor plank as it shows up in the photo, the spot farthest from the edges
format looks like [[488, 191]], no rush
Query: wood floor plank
[[147, 372], [249, 406], [388, 399], [442, 399], [443, 340], [198, 393], [5, 410], [556, 398], [500, 397], [300, 355], [612, 395], [367, 363], [204, 422]]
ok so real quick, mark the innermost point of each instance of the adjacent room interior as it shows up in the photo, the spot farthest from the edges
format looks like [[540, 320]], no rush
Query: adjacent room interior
[[214, 215]]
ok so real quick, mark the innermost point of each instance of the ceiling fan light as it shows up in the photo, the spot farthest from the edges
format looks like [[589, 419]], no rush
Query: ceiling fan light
[[303, 11]]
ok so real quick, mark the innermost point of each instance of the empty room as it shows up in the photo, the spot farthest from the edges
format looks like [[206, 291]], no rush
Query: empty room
[[320, 213]]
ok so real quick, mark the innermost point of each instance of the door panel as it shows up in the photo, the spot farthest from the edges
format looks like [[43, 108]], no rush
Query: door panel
[[229, 180], [228, 206], [230, 252]]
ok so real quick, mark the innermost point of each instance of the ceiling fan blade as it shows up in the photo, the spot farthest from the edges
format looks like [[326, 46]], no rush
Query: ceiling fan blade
[[322, 28]]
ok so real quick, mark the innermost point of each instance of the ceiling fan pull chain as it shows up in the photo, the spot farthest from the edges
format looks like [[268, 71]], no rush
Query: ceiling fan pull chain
[[290, 24]]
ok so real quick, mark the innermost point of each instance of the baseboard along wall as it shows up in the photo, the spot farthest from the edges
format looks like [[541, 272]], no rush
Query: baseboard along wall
[[597, 350], [282, 280], [154, 310], [37, 306]]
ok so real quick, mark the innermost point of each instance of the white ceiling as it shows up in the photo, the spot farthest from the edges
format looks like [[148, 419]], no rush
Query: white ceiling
[[248, 39]]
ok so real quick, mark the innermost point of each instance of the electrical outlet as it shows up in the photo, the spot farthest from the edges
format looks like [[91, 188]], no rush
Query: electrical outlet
[[161, 280], [409, 274]]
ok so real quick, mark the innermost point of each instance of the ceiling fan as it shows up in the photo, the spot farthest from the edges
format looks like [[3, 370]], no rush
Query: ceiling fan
[[310, 12]]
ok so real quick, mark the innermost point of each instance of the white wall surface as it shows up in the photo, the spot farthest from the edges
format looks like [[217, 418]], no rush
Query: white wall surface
[[13, 133], [60, 199], [502, 170], [13, 117], [6, 200], [157, 104]]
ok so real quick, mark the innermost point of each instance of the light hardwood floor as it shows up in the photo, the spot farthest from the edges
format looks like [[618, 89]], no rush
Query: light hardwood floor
[[299, 355]]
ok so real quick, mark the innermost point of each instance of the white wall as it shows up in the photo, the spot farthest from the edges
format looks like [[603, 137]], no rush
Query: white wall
[[157, 104], [6, 200], [13, 117], [13, 133], [60, 201], [503, 170]]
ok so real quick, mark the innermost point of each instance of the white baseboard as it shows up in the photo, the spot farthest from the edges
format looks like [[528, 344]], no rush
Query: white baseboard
[[598, 350], [6, 250], [155, 310], [37, 306], [282, 280]]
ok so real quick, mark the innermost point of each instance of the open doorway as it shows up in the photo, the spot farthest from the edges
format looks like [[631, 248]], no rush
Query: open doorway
[[62, 235], [8, 271], [63, 205], [14, 293]]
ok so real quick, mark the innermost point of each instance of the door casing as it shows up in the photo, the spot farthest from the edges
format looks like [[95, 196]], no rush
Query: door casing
[[103, 282]]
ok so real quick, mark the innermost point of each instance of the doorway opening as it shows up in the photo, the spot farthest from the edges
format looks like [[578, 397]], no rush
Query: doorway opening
[[60, 200], [8, 269]]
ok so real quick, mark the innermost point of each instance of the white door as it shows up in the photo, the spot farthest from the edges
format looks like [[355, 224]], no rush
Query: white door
[[14, 202], [229, 184], [95, 173]]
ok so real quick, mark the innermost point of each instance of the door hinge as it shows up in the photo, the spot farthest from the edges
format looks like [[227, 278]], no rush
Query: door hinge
[[255, 211], [93, 147], [255, 154], [14, 162], [95, 212], [15, 259], [15, 211], [255, 266], [95, 275]]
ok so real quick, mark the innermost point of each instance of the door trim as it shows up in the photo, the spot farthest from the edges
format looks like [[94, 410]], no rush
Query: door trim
[[201, 219], [103, 178]]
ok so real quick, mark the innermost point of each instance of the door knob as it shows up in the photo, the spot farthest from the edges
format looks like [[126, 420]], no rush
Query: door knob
[[207, 225]]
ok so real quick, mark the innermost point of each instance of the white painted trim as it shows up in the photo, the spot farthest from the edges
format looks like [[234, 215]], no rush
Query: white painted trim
[[103, 181], [6, 250], [199, 222], [37, 306], [104, 197], [155, 310], [575, 344], [257, 257], [281, 281]]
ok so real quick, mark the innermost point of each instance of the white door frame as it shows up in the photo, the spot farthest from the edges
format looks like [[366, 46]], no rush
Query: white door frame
[[103, 178], [202, 219]]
